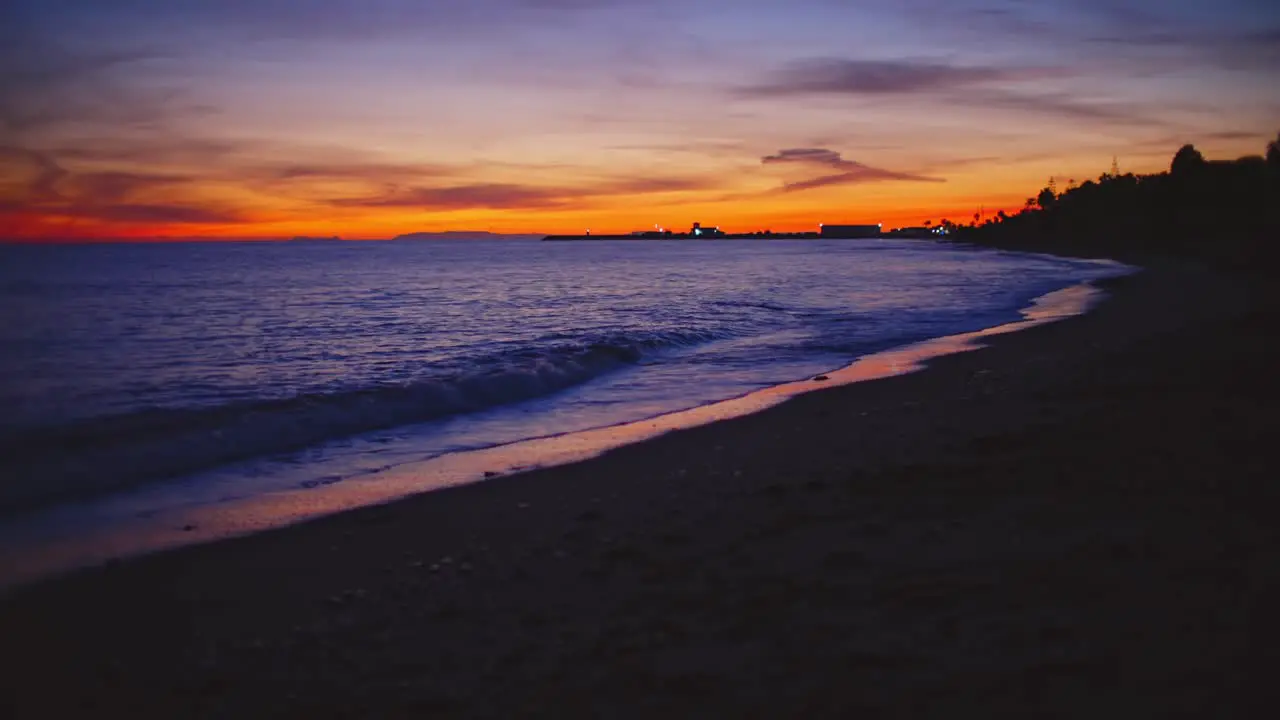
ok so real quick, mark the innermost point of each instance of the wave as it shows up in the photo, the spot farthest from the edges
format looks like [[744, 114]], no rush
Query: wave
[[107, 453], [755, 304]]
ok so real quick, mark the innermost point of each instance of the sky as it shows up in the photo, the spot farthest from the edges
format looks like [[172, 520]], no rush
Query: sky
[[371, 118]]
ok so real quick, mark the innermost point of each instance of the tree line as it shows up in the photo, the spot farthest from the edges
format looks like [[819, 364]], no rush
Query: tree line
[[1221, 211]]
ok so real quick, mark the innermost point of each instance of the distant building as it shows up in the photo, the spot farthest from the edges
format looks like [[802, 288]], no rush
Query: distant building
[[698, 231], [850, 231]]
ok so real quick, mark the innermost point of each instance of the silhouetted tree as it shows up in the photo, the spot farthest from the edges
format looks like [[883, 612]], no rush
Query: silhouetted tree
[[1220, 212], [1187, 160], [1046, 199]]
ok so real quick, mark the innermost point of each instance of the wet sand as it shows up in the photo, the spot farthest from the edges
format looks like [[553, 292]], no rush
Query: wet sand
[[1077, 521]]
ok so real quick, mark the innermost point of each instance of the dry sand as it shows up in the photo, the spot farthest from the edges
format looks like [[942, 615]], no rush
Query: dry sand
[[1076, 522]]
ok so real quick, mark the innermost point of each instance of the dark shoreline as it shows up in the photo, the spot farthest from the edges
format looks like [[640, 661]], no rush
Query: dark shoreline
[[1076, 521]]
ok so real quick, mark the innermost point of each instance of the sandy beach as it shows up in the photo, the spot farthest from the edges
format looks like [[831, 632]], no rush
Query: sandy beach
[[1077, 521]]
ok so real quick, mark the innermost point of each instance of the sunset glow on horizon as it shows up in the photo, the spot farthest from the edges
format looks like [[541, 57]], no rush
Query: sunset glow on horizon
[[372, 118]]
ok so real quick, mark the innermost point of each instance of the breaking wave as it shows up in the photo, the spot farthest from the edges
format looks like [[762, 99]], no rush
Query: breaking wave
[[106, 453]]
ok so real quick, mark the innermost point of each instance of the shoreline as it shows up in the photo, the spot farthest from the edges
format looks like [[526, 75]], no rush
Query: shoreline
[[1077, 518], [133, 524]]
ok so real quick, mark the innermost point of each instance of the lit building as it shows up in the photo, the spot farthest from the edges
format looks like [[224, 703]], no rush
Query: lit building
[[699, 231]]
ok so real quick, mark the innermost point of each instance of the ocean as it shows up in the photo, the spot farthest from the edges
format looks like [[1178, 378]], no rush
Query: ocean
[[141, 379]]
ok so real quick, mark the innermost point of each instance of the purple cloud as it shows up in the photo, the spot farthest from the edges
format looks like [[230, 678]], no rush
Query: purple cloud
[[510, 196], [851, 171], [1059, 105], [881, 77]]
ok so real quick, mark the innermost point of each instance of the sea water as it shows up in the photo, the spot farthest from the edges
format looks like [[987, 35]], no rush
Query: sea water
[[205, 373]]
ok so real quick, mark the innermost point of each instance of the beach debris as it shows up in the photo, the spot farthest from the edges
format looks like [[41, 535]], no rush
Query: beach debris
[[490, 474], [188, 528], [820, 378]]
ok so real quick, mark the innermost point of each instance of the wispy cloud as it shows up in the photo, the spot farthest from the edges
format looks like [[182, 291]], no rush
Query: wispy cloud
[[384, 172], [331, 20], [108, 188], [850, 171], [1121, 36], [459, 197], [1023, 90], [46, 85], [1060, 105], [177, 214], [838, 76], [511, 196], [65, 183], [27, 176], [35, 183]]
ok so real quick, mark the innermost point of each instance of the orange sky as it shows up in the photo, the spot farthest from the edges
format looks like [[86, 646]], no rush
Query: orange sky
[[372, 119]]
